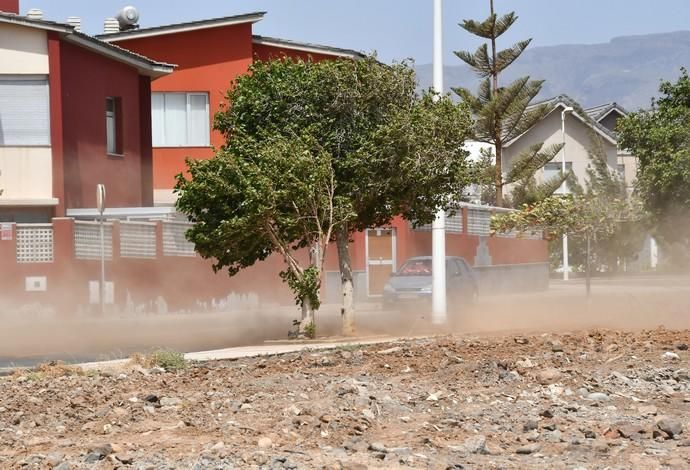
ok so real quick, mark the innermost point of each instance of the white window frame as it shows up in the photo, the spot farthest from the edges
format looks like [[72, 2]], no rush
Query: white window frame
[[548, 174], [188, 111]]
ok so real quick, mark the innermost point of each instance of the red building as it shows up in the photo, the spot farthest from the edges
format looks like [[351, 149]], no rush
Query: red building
[[209, 54], [74, 111]]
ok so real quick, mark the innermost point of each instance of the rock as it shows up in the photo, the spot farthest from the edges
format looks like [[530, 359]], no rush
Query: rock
[[167, 401], [394, 350], [530, 425], [521, 340], [670, 426], [246, 406], [368, 414], [597, 396], [54, 459], [63, 466], [682, 347], [647, 410], [475, 444], [684, 443], [352, 466], [548, 376], [292, 409], [126, 459], [630, 431], [528, 449], [671, 356], [265, 443], [524, 364], [556, 346], [432, 397], [554, 437], [151, 399], [378, 447]]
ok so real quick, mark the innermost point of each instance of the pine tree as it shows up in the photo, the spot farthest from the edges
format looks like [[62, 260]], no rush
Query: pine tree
[[504, 113]]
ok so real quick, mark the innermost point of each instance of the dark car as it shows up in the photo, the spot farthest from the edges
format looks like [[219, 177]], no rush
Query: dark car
[[413, 281]]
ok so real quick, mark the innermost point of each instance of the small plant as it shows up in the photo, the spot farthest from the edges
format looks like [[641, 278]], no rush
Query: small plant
[[310, 330], [163, 358]]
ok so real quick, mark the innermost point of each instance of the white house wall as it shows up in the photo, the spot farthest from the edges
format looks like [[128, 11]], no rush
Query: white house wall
[[23, 51], [26, 173], [578, 141]]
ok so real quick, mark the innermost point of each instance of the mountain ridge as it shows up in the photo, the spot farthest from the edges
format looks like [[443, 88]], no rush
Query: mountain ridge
[[627, 69]]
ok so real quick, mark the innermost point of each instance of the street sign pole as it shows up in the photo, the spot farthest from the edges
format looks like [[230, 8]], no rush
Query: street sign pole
[[100, 202]]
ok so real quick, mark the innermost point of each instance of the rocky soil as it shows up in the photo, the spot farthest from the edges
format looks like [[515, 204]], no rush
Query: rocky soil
[[598, 399]]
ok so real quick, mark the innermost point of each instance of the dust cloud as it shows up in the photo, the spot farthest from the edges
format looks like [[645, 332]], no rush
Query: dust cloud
[[629, 303]]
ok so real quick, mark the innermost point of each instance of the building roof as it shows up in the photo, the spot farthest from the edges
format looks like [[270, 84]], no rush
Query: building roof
[[563, 101], [307, 47], [600, 112], [183, 27], [144, 65]]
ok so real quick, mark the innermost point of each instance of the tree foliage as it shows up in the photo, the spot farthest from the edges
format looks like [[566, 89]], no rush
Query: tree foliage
[[372, 147], [503, 113], [660, 140]]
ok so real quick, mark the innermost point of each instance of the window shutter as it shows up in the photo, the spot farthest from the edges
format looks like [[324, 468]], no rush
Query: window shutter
[[24, 112]]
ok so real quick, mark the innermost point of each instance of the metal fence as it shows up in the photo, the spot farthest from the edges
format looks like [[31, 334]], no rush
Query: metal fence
[[87, 240], [138, 239], [35, 243], [479, 221], [174, 241], [453, 224]]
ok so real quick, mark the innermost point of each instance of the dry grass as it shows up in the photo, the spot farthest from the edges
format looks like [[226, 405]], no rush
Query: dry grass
[[163, 358], [48, 370]]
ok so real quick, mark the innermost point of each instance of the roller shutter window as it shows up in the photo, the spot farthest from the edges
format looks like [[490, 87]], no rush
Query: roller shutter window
[[24, 111]]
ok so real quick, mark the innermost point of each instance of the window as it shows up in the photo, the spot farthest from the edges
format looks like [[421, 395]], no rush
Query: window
[[113, 125], [24, 111], [620, 168], [553, 169], [180, 120]]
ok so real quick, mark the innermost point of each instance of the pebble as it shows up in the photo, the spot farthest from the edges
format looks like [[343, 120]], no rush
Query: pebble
[[378, 447], [475, 444], [549, 376], [265, 443], [671, 356], [597, 396], [167, 401], [528, 449]]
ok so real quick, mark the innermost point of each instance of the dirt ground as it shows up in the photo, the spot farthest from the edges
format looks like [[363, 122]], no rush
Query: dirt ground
[[592, 399]]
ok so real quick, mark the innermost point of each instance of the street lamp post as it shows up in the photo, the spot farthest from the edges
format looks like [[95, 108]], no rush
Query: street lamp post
[[564, 191], [438, 228]]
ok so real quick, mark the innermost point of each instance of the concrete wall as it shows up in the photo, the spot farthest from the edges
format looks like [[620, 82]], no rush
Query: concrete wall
[[23, 51], [26, 173], [577, 142]]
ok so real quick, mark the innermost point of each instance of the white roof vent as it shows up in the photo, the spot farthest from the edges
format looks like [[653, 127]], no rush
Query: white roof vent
[[128, 18], [34, 14], [75, 22], [111, 25]]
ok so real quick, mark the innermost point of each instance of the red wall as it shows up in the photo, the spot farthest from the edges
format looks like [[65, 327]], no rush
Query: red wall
[[264, 53], [9, 6], [87, 79], [208, 60]]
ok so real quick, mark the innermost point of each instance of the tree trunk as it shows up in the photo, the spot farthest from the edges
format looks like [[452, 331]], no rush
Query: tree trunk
[[498, 143], [347, 311], [307, 326]]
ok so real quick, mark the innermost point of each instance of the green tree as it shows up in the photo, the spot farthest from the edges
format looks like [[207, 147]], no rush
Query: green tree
[[262, 196], [660, 140], [392, 151], [589, 217], [503, 113]]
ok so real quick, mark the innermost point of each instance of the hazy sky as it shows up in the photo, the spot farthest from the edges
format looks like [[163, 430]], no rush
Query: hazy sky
[[399, 29]]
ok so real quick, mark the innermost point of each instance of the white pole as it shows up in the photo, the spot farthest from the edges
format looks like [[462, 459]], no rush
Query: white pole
[[566, 265], [100, 203], [438, 250]]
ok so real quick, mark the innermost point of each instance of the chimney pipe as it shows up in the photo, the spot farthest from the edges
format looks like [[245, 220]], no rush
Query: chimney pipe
[[75, 22], [35, 14], [9, 6], [111, 25]]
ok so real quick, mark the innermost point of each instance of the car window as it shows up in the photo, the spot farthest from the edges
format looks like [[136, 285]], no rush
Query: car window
[[416, 267], [453, 268]]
